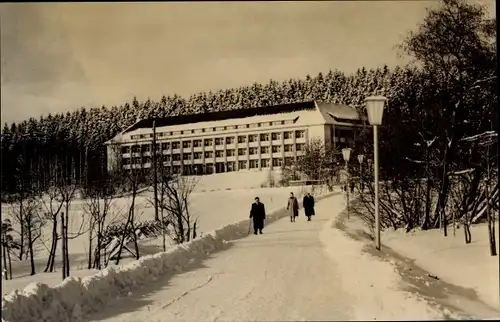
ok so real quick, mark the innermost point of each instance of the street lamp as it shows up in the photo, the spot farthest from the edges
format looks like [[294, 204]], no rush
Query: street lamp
[[346, 153], [360, 160], [375, 110]]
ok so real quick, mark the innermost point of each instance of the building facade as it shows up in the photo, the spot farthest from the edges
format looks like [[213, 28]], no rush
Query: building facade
[[237, 140]]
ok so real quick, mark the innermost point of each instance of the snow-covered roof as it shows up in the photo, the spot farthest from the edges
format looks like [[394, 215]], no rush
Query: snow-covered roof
[[307, 113]]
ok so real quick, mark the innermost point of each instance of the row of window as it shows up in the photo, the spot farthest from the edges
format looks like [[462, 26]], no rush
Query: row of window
[[210, 142], [212, 129], [219, 154], [251, 164]]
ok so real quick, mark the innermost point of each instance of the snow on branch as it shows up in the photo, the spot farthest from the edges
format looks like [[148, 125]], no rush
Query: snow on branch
[[457, 173], [414, 161], [484, 135]]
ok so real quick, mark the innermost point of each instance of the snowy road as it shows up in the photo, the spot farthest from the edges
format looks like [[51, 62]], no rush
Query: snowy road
[[283, 274], [294, 272]]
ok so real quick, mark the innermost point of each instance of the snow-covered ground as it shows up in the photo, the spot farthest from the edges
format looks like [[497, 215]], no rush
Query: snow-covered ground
[[217, 200], [450, 259], [445, 269], [295, 271]]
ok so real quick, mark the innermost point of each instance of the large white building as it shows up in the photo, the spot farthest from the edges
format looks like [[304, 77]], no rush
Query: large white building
[[234, 140]]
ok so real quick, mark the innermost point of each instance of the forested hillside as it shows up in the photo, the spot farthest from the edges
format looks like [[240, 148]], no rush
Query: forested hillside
[[32, 147]]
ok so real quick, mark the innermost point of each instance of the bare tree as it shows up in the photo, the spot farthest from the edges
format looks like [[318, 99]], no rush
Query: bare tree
[[132, 178], [52, 206], [98, 205], [8, 244], [176, 205], [163, 178]]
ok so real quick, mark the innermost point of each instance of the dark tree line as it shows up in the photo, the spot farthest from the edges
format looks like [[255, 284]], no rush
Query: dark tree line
[[74, 140]]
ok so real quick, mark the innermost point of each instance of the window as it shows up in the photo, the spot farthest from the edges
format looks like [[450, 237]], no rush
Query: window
[[254, 164], [135, 149], [264, 149], [276, 148], [209, 154], [287, 135], [288, 162], [276, 136], [230, 153], [242, 139], [219, 154], [270, 123], [145, 148], [282, 122], [300, 147], [136, 160], [125, 149], [252, 138], [252, 151], [165, 146], [197, 155], [186, 156], [186, 144], [176, 157], [288, 148], [192, 131], [146, 159], [264, 137], [259, 124], [219, 141], [208, 142], [166, 158], [277, 162], [242, 165], [242, 151], [157, 146], [264, 163], [230, 140], [176, 145], [197, 143], [126, 161], [300, 134]]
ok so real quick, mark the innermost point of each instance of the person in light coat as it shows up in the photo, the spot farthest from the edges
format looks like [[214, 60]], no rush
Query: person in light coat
[[292, 207]]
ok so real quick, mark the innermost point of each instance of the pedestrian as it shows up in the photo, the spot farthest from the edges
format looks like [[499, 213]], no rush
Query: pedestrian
[[258, 214], [308, 204], [292, 207], [352, 186]]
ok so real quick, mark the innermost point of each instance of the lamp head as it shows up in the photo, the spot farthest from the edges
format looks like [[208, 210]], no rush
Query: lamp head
[[346, 153], [360, 158], [375, 109]]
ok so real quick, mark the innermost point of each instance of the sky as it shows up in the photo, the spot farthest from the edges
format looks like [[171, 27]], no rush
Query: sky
[[57, 57]]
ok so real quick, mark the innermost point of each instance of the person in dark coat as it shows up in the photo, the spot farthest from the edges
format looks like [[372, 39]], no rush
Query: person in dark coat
[[308, 204], [293, 207], [258, 214]]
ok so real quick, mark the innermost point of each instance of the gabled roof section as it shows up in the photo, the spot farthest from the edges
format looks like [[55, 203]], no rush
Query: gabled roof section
[[223, 115], [339, 113]]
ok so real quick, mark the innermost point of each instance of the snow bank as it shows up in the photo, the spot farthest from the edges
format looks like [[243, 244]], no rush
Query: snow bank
[[380, 298], [76, 297], [450, 259]]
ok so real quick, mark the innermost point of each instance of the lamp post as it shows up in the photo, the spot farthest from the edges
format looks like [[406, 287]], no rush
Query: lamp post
[[375, 110], [346, 153], [360, 160]]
